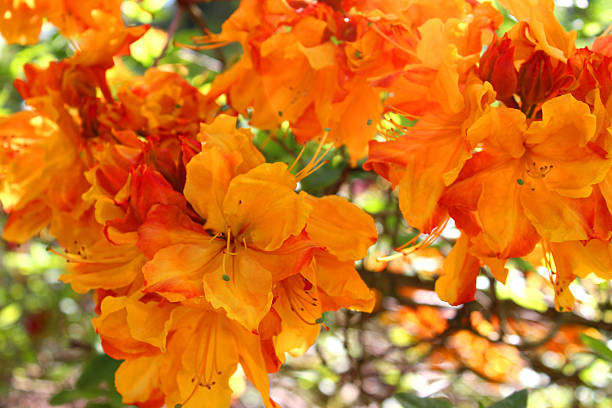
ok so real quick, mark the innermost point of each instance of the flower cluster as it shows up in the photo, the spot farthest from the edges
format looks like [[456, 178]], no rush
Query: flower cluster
[[21, 20], [201, 255], [522, 159], [322, 65]]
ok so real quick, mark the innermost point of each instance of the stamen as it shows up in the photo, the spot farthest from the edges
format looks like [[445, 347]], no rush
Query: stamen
[[81, 257], [549, 261], [208, 41], [297, 158], [392, 41], [535, 171], [298, 310], [411, 246], [204, 379], [226, 252], [315, 163]]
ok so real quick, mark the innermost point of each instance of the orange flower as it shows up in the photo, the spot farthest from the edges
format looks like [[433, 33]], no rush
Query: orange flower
[[538, 172], [21, 20], [310, 63], [545, 31], [328, 282], [180, 353], [242, 205], [429, 156]]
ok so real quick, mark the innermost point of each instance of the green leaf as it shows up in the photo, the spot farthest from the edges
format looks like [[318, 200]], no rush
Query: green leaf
[[69, 396], [412, 401], [599, 347], [516, 400], [99, 369]]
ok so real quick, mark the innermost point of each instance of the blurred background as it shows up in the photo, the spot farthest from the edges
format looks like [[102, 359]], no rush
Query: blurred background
[[413, 346]]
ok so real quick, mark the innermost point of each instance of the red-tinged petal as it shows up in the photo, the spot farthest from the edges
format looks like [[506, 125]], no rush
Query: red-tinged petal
[[603, 45], [165, 226], [237, 283], [457, 284], [176, 272], [387, 159], [148, 188], [342, 227]]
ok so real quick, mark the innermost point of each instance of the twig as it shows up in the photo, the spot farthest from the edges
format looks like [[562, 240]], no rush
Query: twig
[[171, 30], [198, 18]]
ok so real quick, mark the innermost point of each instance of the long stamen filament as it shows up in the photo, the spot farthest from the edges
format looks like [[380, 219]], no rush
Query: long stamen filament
[[209, 345], [410, 246], [317, 161], [392, 41], [312, 302]]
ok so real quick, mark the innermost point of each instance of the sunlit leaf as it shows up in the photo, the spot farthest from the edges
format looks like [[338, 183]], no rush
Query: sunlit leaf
[[412, 401], [9, 314], [599, 347], [516, 400]]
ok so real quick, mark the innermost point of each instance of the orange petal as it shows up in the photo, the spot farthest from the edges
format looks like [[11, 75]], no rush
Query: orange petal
[[341, 286], [208, 176], [167, 225], [240, 286], [137, 380], [176, 272], [457, 284], [506, 230], [342, 227], [262, 207], [555, 217], [26, 222]]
